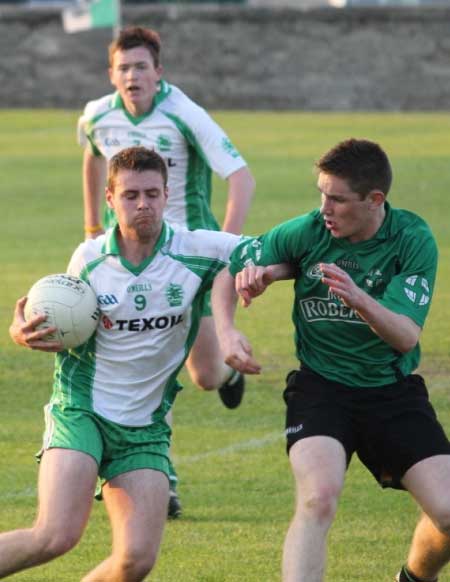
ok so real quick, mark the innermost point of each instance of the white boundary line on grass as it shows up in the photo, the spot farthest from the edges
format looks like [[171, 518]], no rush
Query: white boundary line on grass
[[230, 449], [180, 459]]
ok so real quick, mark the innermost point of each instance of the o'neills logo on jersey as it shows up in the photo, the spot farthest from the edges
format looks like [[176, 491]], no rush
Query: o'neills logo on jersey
[[139, 287], [143, 324], [327, 309]]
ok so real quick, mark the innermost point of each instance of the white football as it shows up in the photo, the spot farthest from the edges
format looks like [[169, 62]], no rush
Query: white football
[[70, 305]]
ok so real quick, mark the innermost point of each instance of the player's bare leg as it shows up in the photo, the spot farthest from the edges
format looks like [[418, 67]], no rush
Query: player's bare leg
[[319, 465], [209, 372], [205, 362], [66, 490], [429, 483], [136, 502], [207, 368]]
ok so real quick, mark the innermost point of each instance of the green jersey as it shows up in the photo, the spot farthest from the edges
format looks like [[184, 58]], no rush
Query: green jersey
[[397, 267]]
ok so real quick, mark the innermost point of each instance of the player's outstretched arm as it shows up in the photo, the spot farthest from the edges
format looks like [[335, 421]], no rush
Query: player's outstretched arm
[[397, 330], [94, 180], [235, 347], [241, 186], [253, 280], [24, 333]]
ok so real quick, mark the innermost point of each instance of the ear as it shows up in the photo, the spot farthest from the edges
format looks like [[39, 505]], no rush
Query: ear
[[376, 199], [109, 198], [111, 75], [159, 71]]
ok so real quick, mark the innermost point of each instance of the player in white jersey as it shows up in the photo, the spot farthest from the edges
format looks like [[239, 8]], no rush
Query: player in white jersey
[[183, 133], [148, 111], [111, 395]]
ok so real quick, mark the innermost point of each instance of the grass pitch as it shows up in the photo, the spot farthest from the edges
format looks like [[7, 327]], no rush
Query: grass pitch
[[236, 486]]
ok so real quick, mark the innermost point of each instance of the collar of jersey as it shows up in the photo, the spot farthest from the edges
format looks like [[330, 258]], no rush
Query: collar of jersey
[[111, 247], [163, 92]]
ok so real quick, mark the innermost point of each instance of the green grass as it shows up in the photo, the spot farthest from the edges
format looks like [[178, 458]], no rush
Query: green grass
[[236, 486]]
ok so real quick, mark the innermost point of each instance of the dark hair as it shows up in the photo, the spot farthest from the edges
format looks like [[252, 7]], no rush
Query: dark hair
[[135, 36], [362, 163], [138, 159]]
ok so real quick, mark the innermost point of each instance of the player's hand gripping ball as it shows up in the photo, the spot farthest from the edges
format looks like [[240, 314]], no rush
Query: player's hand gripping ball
[[70, 305]]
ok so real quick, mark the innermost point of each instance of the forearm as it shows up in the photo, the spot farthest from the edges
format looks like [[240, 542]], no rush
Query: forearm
[[241, 186], [223, 299], [280, 272], [253, 280], [399, 331], [236, 350]]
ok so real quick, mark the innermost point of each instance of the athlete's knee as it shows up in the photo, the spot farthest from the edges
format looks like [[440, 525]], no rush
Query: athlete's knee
[[137, 563], [441, 519], [319, 504], [54, 542], [205, 376], [205, 382]]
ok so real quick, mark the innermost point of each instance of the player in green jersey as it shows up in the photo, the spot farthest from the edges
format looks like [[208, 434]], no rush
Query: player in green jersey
[[364, 281], [111, 395], [146, 110]]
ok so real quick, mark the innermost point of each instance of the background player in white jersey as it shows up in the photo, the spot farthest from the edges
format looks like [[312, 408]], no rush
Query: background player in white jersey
[[111, 395], [363, 288], [148, 111]]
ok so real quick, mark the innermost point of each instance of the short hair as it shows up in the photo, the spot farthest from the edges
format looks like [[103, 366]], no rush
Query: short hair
[[136, 36], [362, 163], [137, 159]]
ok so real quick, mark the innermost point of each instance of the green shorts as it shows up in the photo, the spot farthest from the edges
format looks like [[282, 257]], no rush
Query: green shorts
[[116, 448]]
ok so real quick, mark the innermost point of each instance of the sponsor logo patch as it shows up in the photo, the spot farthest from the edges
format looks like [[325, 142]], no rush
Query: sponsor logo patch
[[328, 308], [144, 323]]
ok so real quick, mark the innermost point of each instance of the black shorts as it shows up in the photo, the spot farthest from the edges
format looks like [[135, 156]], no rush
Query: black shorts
[[391, 428]]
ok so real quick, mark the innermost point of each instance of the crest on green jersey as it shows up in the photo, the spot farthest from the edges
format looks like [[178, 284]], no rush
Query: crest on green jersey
[[417, 289], [374, 279], [164, 143], [174, 294], [229, 148]]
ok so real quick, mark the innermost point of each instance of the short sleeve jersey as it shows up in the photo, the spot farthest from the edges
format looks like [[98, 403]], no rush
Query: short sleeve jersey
[[183, 133], [397, 267], [149, 316]]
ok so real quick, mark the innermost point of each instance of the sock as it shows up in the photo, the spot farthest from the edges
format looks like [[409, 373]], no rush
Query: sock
[[235, 375], [232, 378], [407, 576]]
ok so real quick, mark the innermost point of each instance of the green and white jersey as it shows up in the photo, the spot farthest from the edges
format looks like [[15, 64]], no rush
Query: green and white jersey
[[149, 316], [397, 267], [183, 133]]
